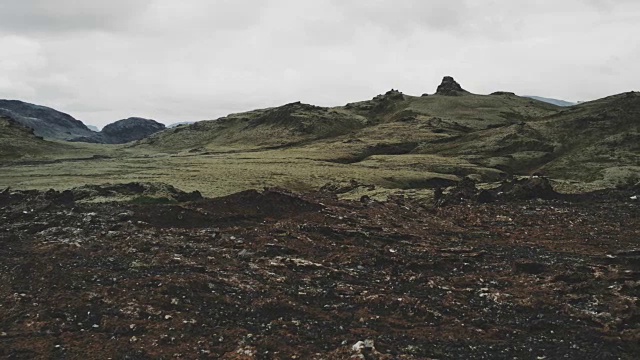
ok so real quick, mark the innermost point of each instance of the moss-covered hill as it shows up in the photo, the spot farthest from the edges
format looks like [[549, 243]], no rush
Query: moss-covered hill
[[595, 141]]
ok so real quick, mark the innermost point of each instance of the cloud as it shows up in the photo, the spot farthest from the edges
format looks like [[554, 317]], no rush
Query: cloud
[[49, 16], [402, 16], [20, 57], [199, 59]]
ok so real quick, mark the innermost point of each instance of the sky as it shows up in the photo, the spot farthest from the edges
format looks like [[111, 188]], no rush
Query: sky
[[190, 60]]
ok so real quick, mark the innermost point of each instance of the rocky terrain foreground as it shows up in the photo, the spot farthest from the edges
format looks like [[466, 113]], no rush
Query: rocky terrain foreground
[[275, 275]]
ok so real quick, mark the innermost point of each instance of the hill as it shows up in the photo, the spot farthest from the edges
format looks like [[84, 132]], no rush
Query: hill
[[390, 117], [594, 141], [597, 140], [44, 121], [19, 142], [286, 125], [551, 101], [123, 131]]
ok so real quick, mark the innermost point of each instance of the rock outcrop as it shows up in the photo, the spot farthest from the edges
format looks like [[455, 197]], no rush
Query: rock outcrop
[[449, 87]]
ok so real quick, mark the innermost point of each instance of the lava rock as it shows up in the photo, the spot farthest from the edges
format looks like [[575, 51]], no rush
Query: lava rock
[[531, 188], [530, 267]]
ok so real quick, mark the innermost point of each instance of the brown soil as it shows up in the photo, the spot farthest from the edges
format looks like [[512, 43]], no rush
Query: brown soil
[[275, 275]]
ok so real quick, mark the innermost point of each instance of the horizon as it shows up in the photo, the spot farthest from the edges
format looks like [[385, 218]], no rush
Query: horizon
[[169, 122], [201, 60]]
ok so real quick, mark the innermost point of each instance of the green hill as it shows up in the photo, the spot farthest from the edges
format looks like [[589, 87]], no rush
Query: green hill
[[598, 140], [286, 125]]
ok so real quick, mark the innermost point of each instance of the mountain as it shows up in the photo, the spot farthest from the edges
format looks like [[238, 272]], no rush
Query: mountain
[[551, 101], [179, 124], [93, 128], [45, 122], [123, 131]]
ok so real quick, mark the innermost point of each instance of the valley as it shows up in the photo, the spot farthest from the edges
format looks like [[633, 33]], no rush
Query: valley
[[443, 226]]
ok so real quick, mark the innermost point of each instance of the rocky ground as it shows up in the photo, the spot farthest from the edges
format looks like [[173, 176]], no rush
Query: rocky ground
[[275, 275]]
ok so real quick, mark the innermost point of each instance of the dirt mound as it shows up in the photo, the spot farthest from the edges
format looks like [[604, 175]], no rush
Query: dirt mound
[[268, 203], [241, 207]]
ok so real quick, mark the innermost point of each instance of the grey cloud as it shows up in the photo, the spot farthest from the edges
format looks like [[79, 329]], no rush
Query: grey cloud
[[402, 16], [199, 59]]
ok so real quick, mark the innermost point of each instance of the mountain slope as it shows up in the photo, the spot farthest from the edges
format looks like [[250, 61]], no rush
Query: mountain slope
[[19, 142], [600, 140], [45, 122]]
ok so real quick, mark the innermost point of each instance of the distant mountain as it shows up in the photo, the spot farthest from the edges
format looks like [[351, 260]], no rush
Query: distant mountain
[[44, 121], [551, 101], [180, 123], [123, 131], [93, 128]]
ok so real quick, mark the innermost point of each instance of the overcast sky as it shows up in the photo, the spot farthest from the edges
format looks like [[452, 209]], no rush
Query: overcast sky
[[188, 60]]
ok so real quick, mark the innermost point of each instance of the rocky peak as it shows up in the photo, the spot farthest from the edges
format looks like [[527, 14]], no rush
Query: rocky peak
[[392, 94], [131, 129], [449, 87], [132, 123]]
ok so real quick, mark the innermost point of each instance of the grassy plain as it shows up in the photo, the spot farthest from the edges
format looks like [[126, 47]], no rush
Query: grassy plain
[[397, 142]]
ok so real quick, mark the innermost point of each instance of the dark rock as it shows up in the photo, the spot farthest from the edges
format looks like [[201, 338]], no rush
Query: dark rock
[[526, 189], [532, 188], [485, 196], [530, 267], [394, 94], [424, 95], [449, 87], [573, 277], [466, 189], [503, 93], [187, 197], [390, 95], [59, 198]]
